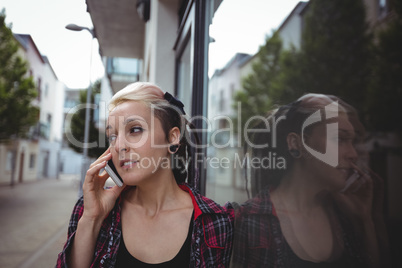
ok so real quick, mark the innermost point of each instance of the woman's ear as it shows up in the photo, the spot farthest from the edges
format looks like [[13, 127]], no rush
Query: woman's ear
[[294, 144], [174, 136]]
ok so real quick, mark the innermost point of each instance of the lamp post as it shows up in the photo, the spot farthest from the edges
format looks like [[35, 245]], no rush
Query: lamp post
[[74, 27]]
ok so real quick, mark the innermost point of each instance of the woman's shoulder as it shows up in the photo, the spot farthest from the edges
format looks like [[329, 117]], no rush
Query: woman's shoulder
[[204, 205], [261, 204]]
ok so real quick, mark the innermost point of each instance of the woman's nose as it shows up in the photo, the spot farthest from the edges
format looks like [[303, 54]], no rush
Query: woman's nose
[[120, 144], [352, 153]]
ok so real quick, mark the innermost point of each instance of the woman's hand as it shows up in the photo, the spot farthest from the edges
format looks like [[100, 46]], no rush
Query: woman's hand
[[98, 202], [357, 201], [358, 204]]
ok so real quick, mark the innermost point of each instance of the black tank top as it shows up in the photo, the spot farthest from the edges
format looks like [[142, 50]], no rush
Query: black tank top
[[182, 259]]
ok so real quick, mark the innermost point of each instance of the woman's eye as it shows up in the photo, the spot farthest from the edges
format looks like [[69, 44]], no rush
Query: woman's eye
[[136, 129], [345, 140], [111, 138]]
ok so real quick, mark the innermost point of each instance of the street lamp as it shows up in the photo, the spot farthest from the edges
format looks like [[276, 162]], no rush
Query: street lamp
[[74, 27]]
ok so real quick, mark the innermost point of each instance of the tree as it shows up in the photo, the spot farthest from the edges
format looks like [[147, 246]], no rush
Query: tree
[[17, 90], [335, 53], [386, 83], [289, 84], [254, 98], [78, 125], [336, 47]]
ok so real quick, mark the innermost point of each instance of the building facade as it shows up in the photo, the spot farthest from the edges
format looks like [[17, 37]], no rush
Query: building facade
[[37, 156], [164, 41], [225, 182]]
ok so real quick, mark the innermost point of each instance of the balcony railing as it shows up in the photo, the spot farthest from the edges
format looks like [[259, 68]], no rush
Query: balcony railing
[[122, 71], [40, 130]]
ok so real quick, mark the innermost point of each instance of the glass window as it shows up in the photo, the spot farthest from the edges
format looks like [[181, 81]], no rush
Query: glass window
[[184, 77], [32, 161], [9, 163], [237, 31], [382, 8]]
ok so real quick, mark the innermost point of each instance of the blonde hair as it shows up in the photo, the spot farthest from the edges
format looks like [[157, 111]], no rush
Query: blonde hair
[[170, 116], [145, 92]]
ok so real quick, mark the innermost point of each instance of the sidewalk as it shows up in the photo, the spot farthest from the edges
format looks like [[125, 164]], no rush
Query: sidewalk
[[34, 219]]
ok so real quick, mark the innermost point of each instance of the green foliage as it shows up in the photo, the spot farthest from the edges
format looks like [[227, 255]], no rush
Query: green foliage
[[386, 84], [255, 98], [335, 54], [335, 58], [16, 89], [290, 82], [78, 125]]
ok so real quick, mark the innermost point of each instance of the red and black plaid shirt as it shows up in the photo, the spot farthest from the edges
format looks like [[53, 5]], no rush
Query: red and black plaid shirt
[[211, 243], [259, 241]]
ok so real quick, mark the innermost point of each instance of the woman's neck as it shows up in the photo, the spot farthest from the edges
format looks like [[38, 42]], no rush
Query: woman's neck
[[157, 193], [299, 191]]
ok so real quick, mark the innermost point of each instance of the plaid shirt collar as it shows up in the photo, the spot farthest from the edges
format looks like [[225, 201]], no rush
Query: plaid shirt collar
[[202, 205], [261, 204], [215, 231]]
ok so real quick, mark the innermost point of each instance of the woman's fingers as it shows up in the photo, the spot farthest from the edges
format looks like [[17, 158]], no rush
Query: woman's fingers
[[93, 172], [101, 179], [116, 190], [96, 166], [101, 159], [364, 180]]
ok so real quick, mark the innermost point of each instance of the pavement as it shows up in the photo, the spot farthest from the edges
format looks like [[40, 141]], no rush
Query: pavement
[[33, 219]]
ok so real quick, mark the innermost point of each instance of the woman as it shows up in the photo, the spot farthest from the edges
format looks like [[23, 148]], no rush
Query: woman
[[316, 209], [155, 219]]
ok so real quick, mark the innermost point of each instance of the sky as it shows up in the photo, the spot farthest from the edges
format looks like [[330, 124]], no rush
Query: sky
[[242, 26], [237, 26], [68, 51]]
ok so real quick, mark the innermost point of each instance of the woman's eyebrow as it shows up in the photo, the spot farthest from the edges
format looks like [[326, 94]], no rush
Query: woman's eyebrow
[[127, 121], [347, 132], [132, 119]]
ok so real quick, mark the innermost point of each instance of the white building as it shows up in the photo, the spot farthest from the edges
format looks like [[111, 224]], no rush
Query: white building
[[38, 156], [225, 183], [291, 29]]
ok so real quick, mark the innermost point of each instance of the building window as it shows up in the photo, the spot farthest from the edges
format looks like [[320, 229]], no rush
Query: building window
[[38, 87], [221, 101], [184, 77], [32, 160], [46, 90], [383, 8], [9, 162], [232, 90], [223, 123], [49, 124]]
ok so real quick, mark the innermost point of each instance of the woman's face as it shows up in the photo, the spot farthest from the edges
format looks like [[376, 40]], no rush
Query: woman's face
[[138, 142], [339, 144]]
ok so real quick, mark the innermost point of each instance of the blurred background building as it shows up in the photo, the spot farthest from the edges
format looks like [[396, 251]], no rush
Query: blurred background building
[[37, 155]]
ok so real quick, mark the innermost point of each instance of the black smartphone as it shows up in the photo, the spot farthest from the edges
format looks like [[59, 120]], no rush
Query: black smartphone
[[111, 170]]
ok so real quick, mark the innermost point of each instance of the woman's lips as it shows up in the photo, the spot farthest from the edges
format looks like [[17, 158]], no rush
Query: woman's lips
[[346, 171], [127, 163]]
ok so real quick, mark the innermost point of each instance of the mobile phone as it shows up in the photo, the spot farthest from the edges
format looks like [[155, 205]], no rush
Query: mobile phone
[[111, 170]]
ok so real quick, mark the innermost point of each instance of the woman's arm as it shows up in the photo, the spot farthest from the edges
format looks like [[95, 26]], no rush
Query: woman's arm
[[362, 204], [97, 203], [83, 247]]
